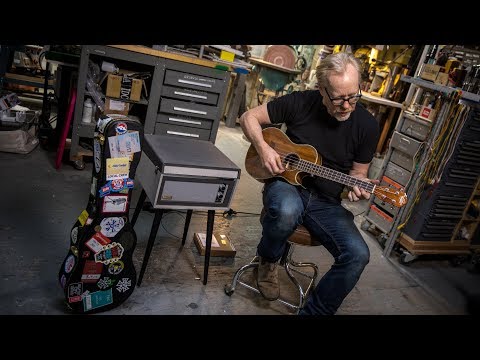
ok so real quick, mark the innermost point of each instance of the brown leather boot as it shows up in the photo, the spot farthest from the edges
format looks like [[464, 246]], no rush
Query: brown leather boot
[[267, 279]]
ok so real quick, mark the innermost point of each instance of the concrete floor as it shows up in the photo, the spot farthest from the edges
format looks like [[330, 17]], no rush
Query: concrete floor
[[40, 204]]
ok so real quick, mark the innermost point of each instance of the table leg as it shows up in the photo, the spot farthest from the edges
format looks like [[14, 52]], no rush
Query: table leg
[[187, 224], [208, 244], [138, 208], [151, 241]]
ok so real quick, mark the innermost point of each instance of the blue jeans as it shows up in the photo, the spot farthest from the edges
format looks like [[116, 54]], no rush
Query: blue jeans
[[287, 206]]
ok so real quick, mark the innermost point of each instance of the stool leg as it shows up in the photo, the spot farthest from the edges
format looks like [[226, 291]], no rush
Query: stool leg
[[151, 241], [138, 208], [187, 224], [230, 288], [289, 264]]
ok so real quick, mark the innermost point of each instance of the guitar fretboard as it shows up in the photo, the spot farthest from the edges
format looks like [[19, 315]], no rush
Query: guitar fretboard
[[334, 175]]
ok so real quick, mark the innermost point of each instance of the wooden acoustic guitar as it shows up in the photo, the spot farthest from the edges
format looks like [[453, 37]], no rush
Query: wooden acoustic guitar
[[98, 273], [303, 160]]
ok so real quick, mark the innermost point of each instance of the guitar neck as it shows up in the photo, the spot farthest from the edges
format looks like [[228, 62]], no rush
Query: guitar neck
[[334, 175]]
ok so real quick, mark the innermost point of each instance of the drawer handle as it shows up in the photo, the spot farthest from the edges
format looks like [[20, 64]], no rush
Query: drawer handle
[[190, 95], [406, 140], [182, 134], [194, 83], [185, 121], [190, 110]]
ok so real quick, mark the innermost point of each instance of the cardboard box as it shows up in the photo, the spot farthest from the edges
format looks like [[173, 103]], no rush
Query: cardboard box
[[116, 107], [124, 87], [430, 72], [442, 78], [221, 245]]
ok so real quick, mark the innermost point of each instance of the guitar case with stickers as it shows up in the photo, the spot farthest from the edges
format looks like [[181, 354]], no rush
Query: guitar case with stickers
[[98, 273]]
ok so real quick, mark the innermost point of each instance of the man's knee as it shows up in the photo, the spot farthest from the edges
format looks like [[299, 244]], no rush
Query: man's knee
[[357, 256], [361, 255], [286, 214]]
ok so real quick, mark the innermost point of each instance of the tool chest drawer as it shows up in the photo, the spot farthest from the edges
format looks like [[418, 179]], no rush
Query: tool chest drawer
[[184, 121], [404, 160], [189, 95], [178, 107], [397, 173], [182, 131], [416, 128], [405, 143], [193, 81]]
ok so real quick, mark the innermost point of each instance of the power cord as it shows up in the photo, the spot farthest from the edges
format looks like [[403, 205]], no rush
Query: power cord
[[230, 213]]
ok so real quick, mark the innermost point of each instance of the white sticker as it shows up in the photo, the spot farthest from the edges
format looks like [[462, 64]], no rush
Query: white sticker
[[74, 235], [97, 156], [117, 105], [111, 226], [129, 142], [114, 148], [124, 284], [101, 123], [203, 239], [69, 263], [94, 245], [93, 188], [115, 203]]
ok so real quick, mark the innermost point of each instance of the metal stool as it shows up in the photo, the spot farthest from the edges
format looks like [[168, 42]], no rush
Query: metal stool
[[301, 236]]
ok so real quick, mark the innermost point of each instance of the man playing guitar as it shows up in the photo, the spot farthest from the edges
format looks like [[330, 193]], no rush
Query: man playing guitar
[[345, 135]]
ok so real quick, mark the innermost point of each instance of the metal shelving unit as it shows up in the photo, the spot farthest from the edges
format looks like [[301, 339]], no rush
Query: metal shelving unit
[[134, 60], [389, 237], [437, 87]]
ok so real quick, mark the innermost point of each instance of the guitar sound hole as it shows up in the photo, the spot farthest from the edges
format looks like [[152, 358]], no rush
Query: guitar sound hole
[[291, 161]]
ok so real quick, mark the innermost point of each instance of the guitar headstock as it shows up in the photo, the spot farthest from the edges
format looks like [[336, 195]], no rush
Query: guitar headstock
[[392, 196]]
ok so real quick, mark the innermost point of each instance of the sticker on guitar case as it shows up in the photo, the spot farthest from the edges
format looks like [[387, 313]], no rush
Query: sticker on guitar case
[[75, 292], [93, 188], [116, 186], [109, 254], [111, 226], [63, 279], [116, 267], [129, 143], [97, 149], [124, 145], [121, 128], [83, 217], [74, 235], [69, 263], [101, 123], [91, 271], [115, 203], [117, 168], [105, 283], [123, 285], [97, 242], [74, 250], [97, 299]]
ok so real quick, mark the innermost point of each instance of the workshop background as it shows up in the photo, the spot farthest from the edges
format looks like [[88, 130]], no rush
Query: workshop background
[[424, 256]]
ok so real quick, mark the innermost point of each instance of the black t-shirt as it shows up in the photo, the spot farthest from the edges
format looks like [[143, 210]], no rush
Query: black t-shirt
[[339, 143]]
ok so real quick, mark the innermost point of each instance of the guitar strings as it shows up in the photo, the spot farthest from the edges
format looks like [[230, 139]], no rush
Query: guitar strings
[[298, 163]]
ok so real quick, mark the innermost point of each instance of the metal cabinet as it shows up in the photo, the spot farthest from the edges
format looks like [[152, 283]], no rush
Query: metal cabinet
[[184, 99], [191, 101]]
